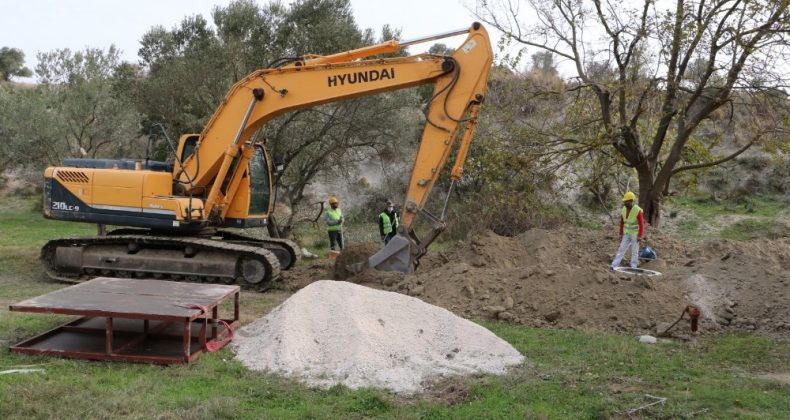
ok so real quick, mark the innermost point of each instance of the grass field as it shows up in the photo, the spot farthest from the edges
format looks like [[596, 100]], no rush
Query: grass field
[[701, 218], [569, 374]]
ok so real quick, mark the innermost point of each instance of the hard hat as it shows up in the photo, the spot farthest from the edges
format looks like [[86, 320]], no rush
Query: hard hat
[[629, 196], [648, 254], [333, 200]]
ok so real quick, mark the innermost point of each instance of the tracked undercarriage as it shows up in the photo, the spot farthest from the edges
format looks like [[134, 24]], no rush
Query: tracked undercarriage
[[223, 257]]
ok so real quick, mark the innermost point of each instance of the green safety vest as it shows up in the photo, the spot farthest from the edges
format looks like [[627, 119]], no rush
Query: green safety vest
[[334, 215], [388, 223], [631, 223]]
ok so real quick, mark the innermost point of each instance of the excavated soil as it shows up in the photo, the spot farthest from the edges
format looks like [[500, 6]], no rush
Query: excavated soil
[[560, 279]]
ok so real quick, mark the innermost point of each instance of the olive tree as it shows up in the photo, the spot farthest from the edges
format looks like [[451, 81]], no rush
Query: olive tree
[[74, 111], [92, 120], [12, 64]]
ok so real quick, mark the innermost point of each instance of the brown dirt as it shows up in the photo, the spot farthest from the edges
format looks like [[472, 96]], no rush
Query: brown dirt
[[351, 255], [560, 279], [304, 274]]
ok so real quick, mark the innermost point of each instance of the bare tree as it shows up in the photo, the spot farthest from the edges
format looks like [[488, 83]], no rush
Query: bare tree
[[658, 75]]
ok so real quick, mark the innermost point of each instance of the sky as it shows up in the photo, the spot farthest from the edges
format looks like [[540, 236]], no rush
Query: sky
[[46, 25]]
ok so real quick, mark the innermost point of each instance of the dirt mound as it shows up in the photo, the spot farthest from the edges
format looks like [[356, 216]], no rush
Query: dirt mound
[[351, 256], [544, 278], [560, 278], [334, 332], [742, 285]]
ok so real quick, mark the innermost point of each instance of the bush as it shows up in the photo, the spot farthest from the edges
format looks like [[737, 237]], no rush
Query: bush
[[778, 178], [504, 214], [754, 163]]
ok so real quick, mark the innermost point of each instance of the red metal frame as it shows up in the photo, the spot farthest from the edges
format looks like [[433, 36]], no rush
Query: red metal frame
[[165, 335]]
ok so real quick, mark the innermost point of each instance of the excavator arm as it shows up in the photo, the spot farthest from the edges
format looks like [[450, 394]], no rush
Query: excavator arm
[[223, 149]]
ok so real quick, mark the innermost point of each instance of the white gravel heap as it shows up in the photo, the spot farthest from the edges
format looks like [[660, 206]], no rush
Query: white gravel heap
[[335, 332]]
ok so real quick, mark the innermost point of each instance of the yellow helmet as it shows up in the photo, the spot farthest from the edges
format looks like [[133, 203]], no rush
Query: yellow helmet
[[628, 196], [333, 200]]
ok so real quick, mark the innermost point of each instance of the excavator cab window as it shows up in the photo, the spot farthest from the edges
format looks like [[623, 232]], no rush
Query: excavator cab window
[[260, 183], [189, 147]]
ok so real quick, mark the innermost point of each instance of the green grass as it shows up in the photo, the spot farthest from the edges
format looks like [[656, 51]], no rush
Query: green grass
[[703, 218], [569, 374], [23, 230], [705, 207], [755, 228]]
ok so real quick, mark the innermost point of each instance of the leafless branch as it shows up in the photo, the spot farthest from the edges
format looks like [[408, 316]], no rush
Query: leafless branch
[[658, 401], [715, 162]]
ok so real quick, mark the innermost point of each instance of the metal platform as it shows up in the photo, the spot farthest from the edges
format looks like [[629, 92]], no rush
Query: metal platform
[[147, 321]]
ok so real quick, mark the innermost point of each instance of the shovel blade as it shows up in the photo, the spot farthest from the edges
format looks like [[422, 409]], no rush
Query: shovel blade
[[396, 256]]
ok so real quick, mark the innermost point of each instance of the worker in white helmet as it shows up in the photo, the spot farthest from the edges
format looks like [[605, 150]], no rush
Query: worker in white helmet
[[632, 230]]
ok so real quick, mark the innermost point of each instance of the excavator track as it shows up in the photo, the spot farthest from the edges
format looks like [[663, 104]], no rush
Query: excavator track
[[287, 251], [190, 259]]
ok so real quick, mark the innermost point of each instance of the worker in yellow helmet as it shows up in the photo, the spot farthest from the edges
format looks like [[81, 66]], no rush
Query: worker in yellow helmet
[[632, 230], [334, 224]]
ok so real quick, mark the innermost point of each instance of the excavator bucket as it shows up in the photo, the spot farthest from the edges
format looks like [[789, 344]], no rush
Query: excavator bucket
[[398, 255]]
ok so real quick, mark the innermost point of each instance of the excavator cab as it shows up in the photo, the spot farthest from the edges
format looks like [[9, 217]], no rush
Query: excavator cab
[[244, 210], [253, 209]]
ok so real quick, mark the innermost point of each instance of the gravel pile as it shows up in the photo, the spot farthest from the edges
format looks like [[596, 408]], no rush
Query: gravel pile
[[334, 332]]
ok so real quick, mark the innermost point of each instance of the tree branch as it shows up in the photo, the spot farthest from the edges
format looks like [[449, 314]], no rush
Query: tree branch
[[715, 162]]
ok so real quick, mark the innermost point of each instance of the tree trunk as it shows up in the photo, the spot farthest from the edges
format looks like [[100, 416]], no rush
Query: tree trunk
[[271, 227], [285, 231], [650, 194], [652, 209]]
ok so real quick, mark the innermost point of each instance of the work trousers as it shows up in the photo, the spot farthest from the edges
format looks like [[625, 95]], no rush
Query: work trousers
[[388, 237], [629, 241], [335, 239]]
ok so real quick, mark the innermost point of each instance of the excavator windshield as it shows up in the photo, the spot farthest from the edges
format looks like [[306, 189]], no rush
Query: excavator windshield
[[260, 183]]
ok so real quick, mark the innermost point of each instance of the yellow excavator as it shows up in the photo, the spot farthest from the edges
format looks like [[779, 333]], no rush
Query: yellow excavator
[[173, 214]]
